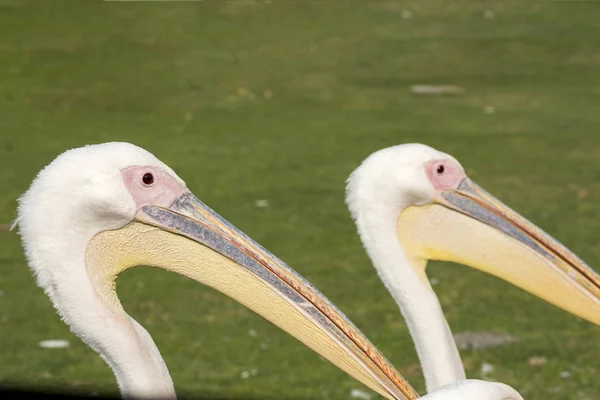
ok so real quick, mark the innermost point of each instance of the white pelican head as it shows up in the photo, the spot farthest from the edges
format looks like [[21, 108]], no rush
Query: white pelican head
[[412, 203], [98, 210]]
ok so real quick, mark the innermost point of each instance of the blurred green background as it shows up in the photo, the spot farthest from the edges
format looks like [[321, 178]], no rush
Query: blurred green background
[[280, 101]]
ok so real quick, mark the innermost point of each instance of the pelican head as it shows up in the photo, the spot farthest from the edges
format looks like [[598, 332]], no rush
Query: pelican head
[[440, 214], [98, 210]]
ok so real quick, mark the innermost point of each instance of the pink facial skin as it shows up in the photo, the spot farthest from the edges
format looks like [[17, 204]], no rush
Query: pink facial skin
[[151, 186], [444, 174]]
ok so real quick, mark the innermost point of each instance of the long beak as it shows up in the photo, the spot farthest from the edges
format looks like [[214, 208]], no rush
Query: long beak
[[191, 239], [471, 227]]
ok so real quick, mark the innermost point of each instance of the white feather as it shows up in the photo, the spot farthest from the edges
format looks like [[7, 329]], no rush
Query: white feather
[[78, 195], [474, 389], [387, 182]]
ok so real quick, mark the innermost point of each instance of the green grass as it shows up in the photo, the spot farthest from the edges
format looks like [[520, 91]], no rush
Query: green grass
[[281, 100]]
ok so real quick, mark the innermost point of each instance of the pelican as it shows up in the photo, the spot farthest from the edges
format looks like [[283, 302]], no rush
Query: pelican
[[98, 210], [411, 204]]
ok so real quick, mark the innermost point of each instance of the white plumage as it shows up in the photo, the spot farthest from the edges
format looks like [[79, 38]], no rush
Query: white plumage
[[474, 389], [77, 196], [385, 184]]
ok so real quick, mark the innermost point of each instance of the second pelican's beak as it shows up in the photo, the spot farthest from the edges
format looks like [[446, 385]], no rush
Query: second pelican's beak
[[191, 239], [467, 225]]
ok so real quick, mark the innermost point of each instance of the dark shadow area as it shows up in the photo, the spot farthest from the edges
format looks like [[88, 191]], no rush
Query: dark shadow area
[[51, 394]]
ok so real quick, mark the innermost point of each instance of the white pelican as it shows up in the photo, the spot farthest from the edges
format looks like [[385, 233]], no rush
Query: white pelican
[[98, 210], [412, 203]]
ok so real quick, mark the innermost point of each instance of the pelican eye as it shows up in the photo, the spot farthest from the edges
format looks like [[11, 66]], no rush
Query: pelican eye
[[440, 169], [148, 179]]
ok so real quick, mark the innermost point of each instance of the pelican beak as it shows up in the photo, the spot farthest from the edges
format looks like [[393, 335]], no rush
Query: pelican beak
[[467, 225], [191, 239]]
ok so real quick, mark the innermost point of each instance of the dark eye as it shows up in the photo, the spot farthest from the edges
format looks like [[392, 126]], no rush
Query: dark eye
[[148, 178], [440, 169]]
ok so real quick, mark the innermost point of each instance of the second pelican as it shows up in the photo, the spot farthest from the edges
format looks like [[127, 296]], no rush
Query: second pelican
[[411, 204]]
